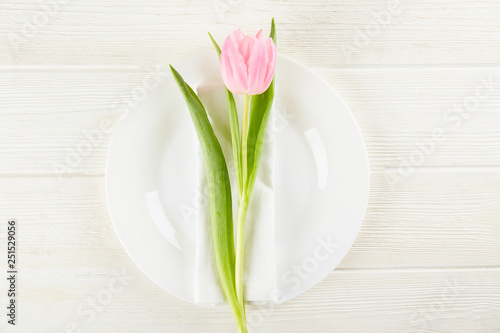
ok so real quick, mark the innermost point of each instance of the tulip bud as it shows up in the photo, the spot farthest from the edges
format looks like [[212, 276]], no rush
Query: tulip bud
[[247, 63]]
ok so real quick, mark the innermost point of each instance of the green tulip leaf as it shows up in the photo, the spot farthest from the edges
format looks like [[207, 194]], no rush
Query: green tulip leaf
[[260, 109], [219, 194], [234, 127], [216, 46]]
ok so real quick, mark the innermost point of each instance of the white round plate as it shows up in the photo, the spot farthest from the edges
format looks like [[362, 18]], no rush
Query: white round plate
[[321, 179]]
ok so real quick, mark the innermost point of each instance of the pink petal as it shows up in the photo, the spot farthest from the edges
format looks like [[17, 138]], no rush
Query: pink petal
[[233, 68], [237, 36], [256, 68], [271, 64], [259, 35], [245, 47]]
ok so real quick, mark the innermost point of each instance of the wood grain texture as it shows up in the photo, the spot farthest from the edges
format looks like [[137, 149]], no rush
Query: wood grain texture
[[318, 33], [422, 79], [453, 300], [403, 227], [48, 116]]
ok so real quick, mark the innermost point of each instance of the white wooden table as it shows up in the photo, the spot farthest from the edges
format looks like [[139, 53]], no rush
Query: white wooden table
[[421, 77]]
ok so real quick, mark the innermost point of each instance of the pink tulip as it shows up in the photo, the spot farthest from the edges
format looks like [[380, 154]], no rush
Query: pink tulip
[[247, 63]]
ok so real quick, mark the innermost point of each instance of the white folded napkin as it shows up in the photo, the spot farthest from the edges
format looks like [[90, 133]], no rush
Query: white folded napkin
[[260, 272]]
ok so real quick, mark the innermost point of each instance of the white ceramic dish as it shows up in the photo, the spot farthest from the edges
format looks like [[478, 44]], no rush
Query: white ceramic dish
[[321, 184]]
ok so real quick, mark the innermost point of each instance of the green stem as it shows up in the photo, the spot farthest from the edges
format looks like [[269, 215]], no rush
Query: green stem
[[240, 249], [238, 312], [243, 328], [241, 320], [242, 207], [244, 140]]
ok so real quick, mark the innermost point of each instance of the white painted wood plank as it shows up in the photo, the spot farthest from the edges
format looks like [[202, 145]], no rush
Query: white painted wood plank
[[347, 301], [47, 115], [430, 220], [447, 218], [319, 33]]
